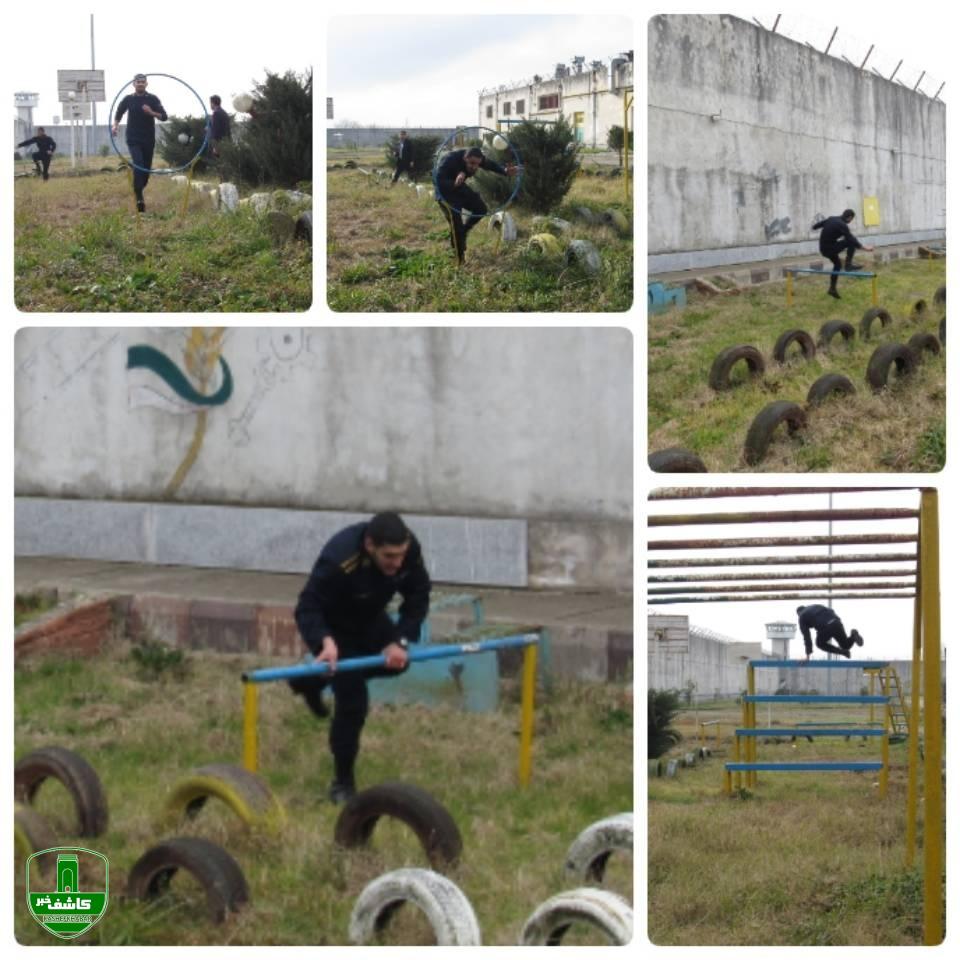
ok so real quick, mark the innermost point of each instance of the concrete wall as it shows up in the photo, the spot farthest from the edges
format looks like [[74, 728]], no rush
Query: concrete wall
[[753, 137], [377, 136], [511, 425]]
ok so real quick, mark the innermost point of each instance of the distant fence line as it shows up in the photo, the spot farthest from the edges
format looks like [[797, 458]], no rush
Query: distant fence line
[[356, 137]]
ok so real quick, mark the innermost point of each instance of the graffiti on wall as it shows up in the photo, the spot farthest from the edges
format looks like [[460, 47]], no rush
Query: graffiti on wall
[[777, 228]]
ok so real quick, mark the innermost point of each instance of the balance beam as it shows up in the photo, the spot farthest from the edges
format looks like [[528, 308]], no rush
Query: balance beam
[[812, 766], [809, 732], [811, 698], [857, 274], [831, 664]]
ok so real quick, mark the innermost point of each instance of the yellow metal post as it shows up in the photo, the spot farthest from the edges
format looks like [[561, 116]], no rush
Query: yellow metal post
[[250, 726], [529, 683], [736, 756], [751, 750], [885, 757], [627, 103], [186, 196], [933, 851], [789, 289], [913, 742], [873, 686], [874, 285]]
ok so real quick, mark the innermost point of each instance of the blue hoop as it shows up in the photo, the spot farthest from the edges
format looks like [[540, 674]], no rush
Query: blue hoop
[[436, 164], [192, 160]]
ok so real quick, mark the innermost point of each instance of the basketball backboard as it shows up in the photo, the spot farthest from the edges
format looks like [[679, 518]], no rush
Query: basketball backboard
[[74, 81]]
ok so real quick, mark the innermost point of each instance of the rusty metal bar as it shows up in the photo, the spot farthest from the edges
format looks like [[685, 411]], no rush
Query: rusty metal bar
[[779, 516], [817, 588], [817, 541], [779, 596], [719, 493], [780, 561], [792, 575]]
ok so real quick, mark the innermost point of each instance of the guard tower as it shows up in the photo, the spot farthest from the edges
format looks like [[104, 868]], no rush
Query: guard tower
[[24, 103]]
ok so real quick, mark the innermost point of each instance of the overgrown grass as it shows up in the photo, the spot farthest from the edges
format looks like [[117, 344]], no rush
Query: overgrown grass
[[27, 606], [388, 250], [142, 735], [79, 246], [801, 859], [900, 429]]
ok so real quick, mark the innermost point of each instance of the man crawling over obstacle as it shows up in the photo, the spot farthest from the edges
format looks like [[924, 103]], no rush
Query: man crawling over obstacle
[[829, 627], [456, 198], [836, 238], [341, 614]]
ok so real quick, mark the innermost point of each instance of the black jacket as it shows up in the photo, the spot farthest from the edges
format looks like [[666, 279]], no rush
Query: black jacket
[[815, 617], [219, 124], [347, 592], [404, 153], [454, 163], [45, 144], [141, 127], [832, 231]]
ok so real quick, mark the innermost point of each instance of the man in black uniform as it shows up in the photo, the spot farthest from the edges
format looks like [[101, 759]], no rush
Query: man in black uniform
[[219, 125], [44, 154], [835, 238], [828, 627], [341, 613], [145, 109], [454, 196], [404, 154]]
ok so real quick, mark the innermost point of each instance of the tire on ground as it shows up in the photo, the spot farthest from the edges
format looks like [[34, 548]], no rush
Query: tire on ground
[[584, 254], [675, 460], [75, 774], [608, 912], [725, 360], [766, 422], [866, 321], [303, 228], [807, 346], [32, 833], [940, 297], [920, 343], [447, 909], [544, 244], [943, 330], [588, 855], [918, 309], [889, 355], [831, 328], [427, 817], [827, 385], [216, 871], [245, 793]]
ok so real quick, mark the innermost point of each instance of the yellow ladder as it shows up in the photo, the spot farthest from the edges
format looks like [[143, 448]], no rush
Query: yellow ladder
[[892, 688]]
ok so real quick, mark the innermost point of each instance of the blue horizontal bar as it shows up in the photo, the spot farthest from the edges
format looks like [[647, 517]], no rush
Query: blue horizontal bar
[[810, 698], [809, 732], [833, 664], [827, 273], [808, 767], [432, 652]]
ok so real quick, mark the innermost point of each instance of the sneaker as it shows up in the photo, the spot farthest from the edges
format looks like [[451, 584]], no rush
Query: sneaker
[[853, 266], [846, 653], [141, 207], [834, 294], [856, 638], [342, 790]]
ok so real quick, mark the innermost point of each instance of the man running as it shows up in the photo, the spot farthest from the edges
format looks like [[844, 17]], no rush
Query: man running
[[144, 109], [403, 151], [455, 197], [829, 627], [44, 153], [835, 238]]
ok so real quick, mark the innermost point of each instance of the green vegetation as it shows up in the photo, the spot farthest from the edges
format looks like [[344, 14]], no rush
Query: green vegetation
[[423, 151], [663, 706], [142, 737], [28, 606], [900, 429]]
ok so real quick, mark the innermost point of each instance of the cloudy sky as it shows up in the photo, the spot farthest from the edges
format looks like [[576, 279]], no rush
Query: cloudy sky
[[886, 625]]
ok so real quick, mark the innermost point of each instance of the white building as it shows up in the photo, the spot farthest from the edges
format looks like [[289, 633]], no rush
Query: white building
[[592, 98]]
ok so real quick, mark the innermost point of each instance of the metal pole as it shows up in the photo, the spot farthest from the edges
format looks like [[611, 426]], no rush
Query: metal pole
[[250, 726], [913, 748], [529, 684], [93, 66]]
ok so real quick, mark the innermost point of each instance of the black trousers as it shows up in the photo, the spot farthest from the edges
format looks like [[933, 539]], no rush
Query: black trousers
[[833, 631], [404, 166], [467, 201], [42, 163], [833, 255], [141, 153]]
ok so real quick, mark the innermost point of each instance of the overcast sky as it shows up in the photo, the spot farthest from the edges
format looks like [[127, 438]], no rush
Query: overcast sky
[[214, 52], [886, 625]]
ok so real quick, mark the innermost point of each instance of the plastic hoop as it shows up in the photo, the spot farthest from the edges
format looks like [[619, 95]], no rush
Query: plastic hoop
[[436, 163], [192, 160]]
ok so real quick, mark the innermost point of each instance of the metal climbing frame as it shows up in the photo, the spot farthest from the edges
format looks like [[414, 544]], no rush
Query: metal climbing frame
[[858, 274], [924, 590]]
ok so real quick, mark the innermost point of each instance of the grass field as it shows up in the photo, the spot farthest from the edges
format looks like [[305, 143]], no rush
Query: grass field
[[143, 732], [388, 250], [800, 859], [901, 429], [79, 246]]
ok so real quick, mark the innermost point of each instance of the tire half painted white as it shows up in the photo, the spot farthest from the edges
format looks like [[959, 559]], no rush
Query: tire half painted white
[[608, 912], [447, 909], [587, 856]]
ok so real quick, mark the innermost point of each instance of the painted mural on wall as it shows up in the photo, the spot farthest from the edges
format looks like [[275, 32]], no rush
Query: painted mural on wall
[[203, 383]]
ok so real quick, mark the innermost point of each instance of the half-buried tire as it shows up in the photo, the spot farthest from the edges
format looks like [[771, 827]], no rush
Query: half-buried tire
[[32, 833], [303, 228], [607, 912], [588, 855], [726, 359], [424, 815], [943, 331], [75, 774], [921, 343], [444, 904], [807, 347], [216, 871], [866, 321], [887, 356], [766, 422], [831, 328], [828, 385], [675, 460], [940, 297]]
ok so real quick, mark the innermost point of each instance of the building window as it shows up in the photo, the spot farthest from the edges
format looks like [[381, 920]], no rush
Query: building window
[[521, 106], [506, 108], [550, 101], [489, 110]]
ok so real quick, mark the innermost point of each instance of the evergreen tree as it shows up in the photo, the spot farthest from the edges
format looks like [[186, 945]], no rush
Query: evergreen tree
[[615, 138], [175, 153], [424, 150], [663, 706]]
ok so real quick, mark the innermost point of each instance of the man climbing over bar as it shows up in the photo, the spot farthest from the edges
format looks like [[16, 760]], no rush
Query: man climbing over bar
[[341, 614], [829, 627], [836, 238]]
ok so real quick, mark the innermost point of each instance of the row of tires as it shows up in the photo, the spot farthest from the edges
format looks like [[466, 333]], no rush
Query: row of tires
[[251, 799], [670, 766]]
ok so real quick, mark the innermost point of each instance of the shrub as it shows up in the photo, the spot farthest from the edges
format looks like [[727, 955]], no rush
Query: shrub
[[663, 706], [424, 150], [615, 138]]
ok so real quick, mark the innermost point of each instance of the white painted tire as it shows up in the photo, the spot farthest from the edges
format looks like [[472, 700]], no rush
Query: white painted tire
[[588, 854], [606, 911], [447, 909]]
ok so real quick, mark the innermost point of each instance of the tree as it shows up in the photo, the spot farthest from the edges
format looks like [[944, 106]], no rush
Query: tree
[[615, 138], [177, 153], [424, 150], [663, 707]]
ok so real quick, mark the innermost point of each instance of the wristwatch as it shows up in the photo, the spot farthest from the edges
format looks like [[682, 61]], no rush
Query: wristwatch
[[404, 642]]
